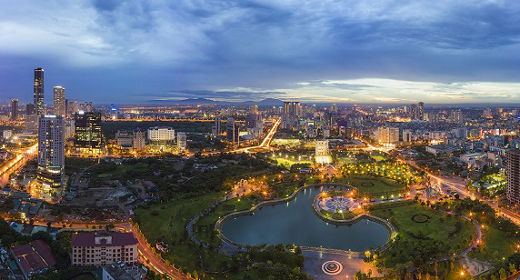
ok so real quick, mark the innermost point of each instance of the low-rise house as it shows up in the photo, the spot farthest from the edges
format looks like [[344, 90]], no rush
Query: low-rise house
[[33, 258]]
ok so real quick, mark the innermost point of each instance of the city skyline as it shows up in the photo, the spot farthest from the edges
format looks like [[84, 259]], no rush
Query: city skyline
[[341, 52]]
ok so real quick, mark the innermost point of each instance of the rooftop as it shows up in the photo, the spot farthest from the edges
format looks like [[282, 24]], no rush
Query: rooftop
[[88, 239], [34, 256]]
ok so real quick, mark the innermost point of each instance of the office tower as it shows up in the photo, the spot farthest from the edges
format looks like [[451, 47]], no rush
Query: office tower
[[232, 131], [181, 141], [30, 109], [513, 176], [59, 101], [38, 91], [139, 140], [252, 120], [292, 108], [125, 139], [420, 111], [14, 109], [87, 138], [51, 156]]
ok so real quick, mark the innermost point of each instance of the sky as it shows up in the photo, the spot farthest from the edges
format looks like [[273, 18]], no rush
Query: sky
[[352, 51]]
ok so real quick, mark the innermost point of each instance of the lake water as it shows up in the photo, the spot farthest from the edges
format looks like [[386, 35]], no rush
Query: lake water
[[295, 222]]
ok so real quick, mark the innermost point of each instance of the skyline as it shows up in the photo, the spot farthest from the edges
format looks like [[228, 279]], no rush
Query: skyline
[[319, 51]]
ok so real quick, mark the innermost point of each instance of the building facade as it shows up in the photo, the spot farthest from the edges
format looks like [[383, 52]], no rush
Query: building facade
[[14, 109], [513, 176], [39, 91], [181, 141], [161, 134], [102, 248], [51, 156], [88, 137], [59, 101]]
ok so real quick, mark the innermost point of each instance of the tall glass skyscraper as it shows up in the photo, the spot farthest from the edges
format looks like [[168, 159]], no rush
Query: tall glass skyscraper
[[59, 101], [38, 91]]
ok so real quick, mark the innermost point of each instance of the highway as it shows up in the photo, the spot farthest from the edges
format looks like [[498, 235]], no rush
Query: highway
[[19, 159]]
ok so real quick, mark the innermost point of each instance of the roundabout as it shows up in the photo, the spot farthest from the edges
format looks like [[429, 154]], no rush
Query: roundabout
[[332, 267]]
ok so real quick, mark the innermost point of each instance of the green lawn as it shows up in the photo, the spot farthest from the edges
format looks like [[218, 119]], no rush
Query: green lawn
[[453, 233], [371, 185], [204, 227], [288, 162], [167, 222], [495, 245]]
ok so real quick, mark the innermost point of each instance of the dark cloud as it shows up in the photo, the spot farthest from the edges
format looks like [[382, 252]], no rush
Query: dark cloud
[[129, 47]]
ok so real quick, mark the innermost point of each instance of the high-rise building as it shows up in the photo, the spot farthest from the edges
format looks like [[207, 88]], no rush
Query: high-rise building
[[292, 108], [59, 101], [420, 111], [181, 141], [14, 109], [139, 140], [322, 152], [513, 176], [218, 126], [232, 131], [388, 135], [39, 91], [414, 112], [30, 109], [88, 137], [72, 108], [51, 155]]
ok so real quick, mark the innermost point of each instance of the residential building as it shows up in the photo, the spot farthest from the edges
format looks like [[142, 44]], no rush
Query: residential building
[[233, 131], [33, 258], [51, 156], [387, 135], [513, 176], [102, 248], [139, 142], [59, 101], [125, 139]]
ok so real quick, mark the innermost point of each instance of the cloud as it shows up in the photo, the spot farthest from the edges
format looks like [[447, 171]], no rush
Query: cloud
[[152, 46]]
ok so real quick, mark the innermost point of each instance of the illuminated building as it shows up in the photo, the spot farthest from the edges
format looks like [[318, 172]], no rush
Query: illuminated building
[[125, 138], [72, 108], [181, 141], [387, 135], [59, 101], [38, 91], [322, 152], [88, 137], [101, 248], [217, 128], [292, 108], [51, 156], [513, 176], [161, 135], [14, 109], [139, 142]]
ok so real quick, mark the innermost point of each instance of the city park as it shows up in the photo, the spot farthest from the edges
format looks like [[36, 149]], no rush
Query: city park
[[364, 206]]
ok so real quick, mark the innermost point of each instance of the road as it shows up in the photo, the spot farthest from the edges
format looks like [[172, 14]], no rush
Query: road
[[20, 158], [458, 185]]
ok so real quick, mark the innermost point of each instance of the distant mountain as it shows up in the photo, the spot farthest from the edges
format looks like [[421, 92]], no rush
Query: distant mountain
[[268, 102]]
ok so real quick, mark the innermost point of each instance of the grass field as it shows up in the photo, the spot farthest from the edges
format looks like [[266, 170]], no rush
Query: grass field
[[429, 224], [370, 185], [166, 222], [289, 162], [495, 245], [204, 227]]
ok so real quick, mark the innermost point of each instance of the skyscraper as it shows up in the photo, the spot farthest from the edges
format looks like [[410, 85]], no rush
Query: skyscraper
[[421, 111], [87, 138], [59, 101], [38, 91], [14, 109], [513, 176], [51, 154]]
